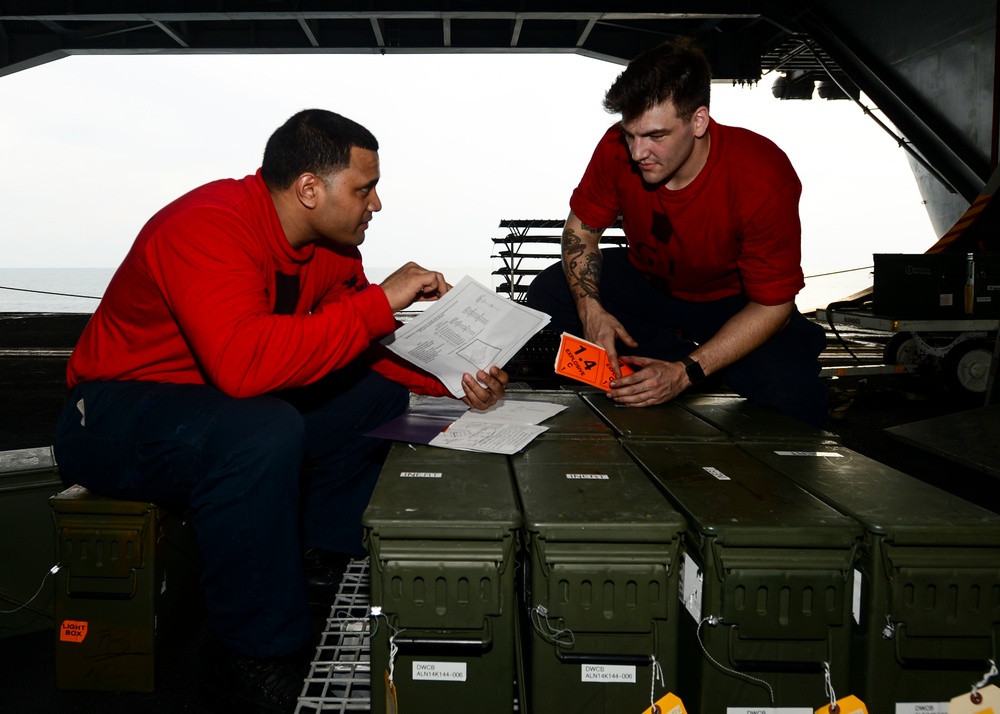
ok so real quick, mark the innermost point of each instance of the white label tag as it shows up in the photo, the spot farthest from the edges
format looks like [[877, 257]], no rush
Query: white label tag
[[828, 454], [587, 477], [921, 707], [856, 598], [419, 474], [769, 710], [691, 586], [608, 673], [715, 472], [439, 671]]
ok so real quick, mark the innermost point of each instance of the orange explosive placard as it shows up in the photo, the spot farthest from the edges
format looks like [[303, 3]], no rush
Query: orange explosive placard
[[586, 362]]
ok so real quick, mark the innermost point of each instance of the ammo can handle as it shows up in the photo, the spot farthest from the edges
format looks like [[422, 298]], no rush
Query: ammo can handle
[[436, 643], [581, 658]]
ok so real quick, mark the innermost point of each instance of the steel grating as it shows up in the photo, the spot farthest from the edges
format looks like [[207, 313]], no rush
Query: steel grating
[[339, 677]]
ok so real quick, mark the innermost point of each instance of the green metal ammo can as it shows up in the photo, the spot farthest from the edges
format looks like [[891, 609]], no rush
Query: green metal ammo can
[[442, 531], [742, 420], [703, 418], [28, 478], [576, 421], [669, 421], [600, 578], [928, 578], [127, 596], [766, 580]]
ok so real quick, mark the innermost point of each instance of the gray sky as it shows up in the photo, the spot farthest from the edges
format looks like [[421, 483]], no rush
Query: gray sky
[[93, 146]]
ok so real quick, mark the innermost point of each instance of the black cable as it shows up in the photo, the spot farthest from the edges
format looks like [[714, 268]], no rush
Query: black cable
[[46, 292]]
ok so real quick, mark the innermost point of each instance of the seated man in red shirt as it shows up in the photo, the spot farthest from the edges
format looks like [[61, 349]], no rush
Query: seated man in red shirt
[[708, 281], [233, 369]]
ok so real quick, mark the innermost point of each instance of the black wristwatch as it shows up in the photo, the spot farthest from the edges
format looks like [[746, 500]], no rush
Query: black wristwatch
[[694, 371]]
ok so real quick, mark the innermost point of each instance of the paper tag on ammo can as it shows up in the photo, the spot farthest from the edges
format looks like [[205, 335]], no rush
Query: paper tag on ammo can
[[667, 704], [848, 705], [988, 702]]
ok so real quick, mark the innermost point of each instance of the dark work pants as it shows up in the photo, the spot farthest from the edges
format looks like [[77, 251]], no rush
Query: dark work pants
[[263, 477], [783, 373]]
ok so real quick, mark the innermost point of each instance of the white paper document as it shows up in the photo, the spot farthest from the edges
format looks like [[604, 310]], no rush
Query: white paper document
[[469, 329], [505, 428]]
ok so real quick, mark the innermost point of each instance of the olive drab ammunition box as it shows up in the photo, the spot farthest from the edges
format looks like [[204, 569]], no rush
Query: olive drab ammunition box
[[127, 594], [442, 530], [704, 417], [28, 477], [577, 421], [928, 576], [599, 582], [767, 579]]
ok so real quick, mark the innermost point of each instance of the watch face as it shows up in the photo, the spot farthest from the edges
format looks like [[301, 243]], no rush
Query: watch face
[[694, 371]]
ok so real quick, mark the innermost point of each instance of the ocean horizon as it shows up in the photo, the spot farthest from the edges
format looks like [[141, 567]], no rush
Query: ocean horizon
[[79, 290]]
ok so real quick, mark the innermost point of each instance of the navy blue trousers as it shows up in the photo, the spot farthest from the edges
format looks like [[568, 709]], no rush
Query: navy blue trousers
[[262, 478], [783, 373]]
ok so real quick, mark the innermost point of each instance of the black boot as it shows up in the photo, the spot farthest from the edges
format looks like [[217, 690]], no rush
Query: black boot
[[324, 570], [235, 683]]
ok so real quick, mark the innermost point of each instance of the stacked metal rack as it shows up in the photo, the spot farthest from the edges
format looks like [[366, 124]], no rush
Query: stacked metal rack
[[339, 677]]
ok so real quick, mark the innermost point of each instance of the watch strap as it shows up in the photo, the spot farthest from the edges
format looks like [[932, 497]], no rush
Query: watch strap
[[694, 371]]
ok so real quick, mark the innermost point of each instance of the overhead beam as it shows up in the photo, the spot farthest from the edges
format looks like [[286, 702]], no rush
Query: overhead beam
[[946, 152], [170, 33], [307, 30]]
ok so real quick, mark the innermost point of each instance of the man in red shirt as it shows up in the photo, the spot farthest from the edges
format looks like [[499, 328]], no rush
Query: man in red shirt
[[233, 369], [707, 284]]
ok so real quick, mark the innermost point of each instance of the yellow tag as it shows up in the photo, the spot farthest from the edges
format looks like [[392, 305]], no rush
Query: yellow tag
[[848, 705], [988, 702], [390, 696], [667, 704]]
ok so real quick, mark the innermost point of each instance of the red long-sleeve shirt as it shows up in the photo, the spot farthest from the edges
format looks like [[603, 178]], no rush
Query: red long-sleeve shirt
[[193, 303]]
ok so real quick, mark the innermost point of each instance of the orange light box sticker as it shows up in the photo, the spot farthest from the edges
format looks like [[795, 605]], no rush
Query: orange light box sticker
[[586, 362], [72, 631]]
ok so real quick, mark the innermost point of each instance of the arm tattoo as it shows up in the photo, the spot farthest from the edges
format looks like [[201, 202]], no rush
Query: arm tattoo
[[583, 268]]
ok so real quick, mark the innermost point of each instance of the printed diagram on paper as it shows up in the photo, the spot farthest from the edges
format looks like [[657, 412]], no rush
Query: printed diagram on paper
[[469, 329]]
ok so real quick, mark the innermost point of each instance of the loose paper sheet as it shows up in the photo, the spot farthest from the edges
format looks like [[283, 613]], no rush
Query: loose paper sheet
[[505, 428], [469, 329]]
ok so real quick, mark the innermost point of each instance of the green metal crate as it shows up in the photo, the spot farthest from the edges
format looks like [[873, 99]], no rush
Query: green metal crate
[[767, 579], [600, 578], [576, 421], [28, 477], [928, 616], [442, 531], [742, 420], [127, 596], [702, 418], [669, 421]]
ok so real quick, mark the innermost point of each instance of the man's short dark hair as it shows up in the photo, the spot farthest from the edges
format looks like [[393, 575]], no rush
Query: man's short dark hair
[[315, 141], [676, 70]]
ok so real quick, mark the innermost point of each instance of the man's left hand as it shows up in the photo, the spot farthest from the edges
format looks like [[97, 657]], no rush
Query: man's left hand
[[653, 382], [485, 389]]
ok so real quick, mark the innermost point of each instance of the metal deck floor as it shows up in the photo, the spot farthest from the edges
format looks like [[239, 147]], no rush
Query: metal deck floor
[[339, 677]]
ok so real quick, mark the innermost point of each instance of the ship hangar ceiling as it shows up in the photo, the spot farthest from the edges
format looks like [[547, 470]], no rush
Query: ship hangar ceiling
[[805, 43]]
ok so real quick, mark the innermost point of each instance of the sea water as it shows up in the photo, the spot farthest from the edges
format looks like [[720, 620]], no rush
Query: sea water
[[52, 289], [68, 290]]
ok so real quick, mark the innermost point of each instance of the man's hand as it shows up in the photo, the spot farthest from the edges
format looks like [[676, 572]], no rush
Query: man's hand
[[485, 389], [602, 328], [411, 284], [653, 382]]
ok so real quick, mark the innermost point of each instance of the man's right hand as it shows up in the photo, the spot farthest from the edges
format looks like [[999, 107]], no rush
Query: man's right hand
[[411, 284], [602, 328]]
